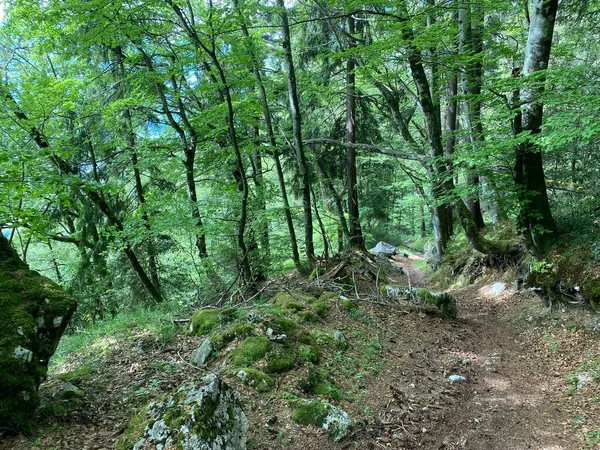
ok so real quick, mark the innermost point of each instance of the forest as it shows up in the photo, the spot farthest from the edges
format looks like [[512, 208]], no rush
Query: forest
[[267, 196]]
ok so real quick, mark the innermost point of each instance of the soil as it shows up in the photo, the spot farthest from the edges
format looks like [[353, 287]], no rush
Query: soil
[[517, 360]]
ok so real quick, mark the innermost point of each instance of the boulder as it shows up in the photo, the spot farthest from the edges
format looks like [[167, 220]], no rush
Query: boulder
[[35, 312], [324, 415], [202, 353], [384, 249], [201, 415]]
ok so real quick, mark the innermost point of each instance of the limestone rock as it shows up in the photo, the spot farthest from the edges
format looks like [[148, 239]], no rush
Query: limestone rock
[[383, 249], [204, 415], [202, 353], [340, 340], [325, 415], [35, 312]]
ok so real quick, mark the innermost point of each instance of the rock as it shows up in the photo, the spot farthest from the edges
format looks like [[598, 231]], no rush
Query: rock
[[274, 337], [202, 353], [323, 415], [256, 379], [35, 312], [443, 301], [68, 391], [340, 340], [383, 249], [498, 288], [456, 379], [204, 415]]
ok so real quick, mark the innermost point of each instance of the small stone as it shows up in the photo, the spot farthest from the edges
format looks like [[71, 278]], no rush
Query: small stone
[[456, 379], [202, 354], [23, 353], [340, 339], [279, 338]]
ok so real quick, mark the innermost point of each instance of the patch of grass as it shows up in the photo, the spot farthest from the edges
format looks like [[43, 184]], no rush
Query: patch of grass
[[125, 325]]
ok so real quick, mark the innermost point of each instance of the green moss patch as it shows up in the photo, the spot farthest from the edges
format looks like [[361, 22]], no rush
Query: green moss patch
[[255, 378], [250, 351], [205, 321], [311, 412], [281, 360]]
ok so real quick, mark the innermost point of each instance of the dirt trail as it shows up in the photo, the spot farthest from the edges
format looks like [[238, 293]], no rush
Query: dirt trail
[[514, 393], [513, 354]]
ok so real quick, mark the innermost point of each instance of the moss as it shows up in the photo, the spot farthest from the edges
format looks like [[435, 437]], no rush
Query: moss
[[133, 431], [329, 295], [205, 321], [394, 290], [445, 302], [236, 330], [251, 350], [309, 354], [320, 307], [349, 305], [228, 315], [35, 313], [81, 373], [282, 360], [317, 381], [321, 338], [311, 412], [175, 416], [308, 317], [203, 423], [255, 378], [281, 325]]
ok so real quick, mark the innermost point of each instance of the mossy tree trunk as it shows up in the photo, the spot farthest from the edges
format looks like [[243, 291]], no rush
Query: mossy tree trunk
[[35, 312]]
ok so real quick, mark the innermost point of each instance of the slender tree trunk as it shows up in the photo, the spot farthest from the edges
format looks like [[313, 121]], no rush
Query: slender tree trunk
[[336, 197], [539, 228], [297, 131], [272, 141], [356, 238], [422, 221], [262, 223], [321, 225], [471, 44]]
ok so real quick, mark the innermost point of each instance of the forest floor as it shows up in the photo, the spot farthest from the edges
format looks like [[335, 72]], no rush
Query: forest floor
[[521, 364]]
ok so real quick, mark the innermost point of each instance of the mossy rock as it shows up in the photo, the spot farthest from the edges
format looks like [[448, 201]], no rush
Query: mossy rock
[[203, 414], [255, 378], [349, 305], [205, 321], [395, 290], [294, 301], [308, 317], [250, 351], [238, 329], [321, 338], [321, 307], [282, 325], [309, 354], [317, 381], [443, 301], [281, 360], [323, 415], [35, 313], [312, 412], [328, 296]]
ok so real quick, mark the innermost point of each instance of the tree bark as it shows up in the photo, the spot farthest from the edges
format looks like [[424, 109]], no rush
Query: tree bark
[[471, 45], [297, 132], [538, 224], [356, 237], [273, 143]]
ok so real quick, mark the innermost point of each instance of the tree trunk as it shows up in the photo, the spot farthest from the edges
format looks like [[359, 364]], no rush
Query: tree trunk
[[297, 131], [273, 142], [471, 44], [538, 224], [356, 238]]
